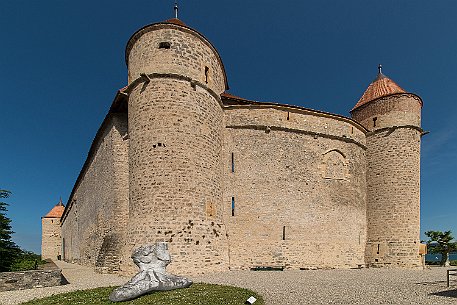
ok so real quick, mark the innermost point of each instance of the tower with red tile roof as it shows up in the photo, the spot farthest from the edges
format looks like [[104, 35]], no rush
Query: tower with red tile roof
[[51, 244], [392, 117]]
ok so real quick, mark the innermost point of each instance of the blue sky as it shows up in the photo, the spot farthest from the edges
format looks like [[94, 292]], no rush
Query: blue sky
[[61, 63]]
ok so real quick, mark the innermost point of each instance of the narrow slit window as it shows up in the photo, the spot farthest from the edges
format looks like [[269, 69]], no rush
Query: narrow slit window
[[233, 163], [378, 250], [164, 45], [284, 233], [288, 115], [374, 121], [233, 206], [206, 74]]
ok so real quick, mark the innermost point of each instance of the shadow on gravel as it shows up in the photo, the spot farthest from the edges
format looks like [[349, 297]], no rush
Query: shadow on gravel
[[446, 293], [432, 283]]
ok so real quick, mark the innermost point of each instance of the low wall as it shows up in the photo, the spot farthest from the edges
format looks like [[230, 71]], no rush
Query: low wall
[[48, 275]]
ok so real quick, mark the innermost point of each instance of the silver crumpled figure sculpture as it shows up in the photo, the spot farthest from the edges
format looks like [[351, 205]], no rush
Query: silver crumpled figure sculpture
[[152, 261]]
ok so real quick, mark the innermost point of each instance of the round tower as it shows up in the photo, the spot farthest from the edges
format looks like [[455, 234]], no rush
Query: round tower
[[175, 116], [393, 119]]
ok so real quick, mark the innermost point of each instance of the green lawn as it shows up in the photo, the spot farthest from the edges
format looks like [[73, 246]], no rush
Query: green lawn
[[201, 294]]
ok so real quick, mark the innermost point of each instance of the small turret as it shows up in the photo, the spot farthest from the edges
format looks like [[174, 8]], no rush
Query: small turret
[[51, 243], [393, 118]]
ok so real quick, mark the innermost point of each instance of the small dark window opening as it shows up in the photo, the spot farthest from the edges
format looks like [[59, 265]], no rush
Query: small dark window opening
[[376, 260], [378, 250], [374, 121], [352, 129], [233, 163], [288, 115], [233, 206], [164, 45], [206, 74], [284, 233]]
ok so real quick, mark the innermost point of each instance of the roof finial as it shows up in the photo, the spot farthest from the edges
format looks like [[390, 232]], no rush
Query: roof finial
[[176, 9], [380, 69]]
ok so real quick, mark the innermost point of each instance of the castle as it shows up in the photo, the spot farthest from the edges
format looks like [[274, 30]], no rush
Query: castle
[[237, 184]]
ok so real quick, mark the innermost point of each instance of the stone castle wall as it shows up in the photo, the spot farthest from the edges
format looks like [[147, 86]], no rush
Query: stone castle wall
[[394, 110], [393, 176], [175, 131], [296, 184], [51, 242], [246, 185], [393, 180], [189, 54], [93, 231]]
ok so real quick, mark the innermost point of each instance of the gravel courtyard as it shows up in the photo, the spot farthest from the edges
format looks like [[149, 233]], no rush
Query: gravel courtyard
[[364, 286]]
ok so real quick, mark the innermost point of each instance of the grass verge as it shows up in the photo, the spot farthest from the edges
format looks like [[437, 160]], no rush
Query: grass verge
[[197, 294]]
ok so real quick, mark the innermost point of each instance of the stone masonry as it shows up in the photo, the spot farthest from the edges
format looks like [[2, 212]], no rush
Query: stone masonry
[[231, 183], [51, 242]]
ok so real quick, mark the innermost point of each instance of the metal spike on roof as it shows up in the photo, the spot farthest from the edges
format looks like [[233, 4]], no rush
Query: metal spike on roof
[[176, 9], [380, 75]]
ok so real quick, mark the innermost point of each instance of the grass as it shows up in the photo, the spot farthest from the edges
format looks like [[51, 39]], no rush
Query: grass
[[197, 294]]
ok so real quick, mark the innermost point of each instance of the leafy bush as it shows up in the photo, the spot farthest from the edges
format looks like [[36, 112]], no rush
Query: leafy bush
[[26, 261], [453, 263], [197, 294]]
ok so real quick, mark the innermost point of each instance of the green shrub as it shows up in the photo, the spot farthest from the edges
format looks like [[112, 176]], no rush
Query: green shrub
[[26, 261], [453, 263], [197, 294]]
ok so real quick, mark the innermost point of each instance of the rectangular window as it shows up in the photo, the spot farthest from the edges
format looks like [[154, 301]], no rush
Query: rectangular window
[[206, 74], [284, 233], [233, 206], [233, 163]]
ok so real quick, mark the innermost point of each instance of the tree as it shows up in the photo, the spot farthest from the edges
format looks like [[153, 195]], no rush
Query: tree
[[441, 242], [8, 249]]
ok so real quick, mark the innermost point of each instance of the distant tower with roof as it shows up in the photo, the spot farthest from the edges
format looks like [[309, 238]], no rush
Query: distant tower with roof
[[51, 242], [392, 117]]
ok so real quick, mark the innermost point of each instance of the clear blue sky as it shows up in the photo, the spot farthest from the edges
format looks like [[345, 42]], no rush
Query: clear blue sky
[[61, 63]]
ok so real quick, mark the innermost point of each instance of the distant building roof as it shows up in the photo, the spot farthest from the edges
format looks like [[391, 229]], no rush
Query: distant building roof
[[56, 211], [381, 86]]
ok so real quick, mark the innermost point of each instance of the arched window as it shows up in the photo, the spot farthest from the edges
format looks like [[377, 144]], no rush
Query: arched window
[[334, 165]]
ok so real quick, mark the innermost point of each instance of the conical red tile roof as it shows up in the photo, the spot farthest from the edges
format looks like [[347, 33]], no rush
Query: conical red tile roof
[[56, 211], [381, 86]]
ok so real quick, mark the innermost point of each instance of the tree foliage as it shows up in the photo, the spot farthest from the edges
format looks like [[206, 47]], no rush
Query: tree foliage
[[8, 249], [442, 243]]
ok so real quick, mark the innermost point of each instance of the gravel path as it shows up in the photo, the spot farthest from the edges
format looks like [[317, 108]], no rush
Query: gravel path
[[365, 286]]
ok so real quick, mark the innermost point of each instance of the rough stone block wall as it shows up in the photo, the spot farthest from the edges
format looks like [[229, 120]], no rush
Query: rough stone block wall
[[51, 243], [395, 110], [393, 177], [175, 173], [188, 55], [95, 225], [297, 186], [30, 279]]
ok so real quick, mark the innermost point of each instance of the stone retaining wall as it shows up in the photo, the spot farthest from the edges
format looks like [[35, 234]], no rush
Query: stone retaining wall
[[49, 276]]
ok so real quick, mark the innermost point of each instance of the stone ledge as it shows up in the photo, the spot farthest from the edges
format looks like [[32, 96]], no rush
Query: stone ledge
[[48, 275]]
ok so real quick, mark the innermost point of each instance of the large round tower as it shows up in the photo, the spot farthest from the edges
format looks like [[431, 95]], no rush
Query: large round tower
[[175, 139], [393, 119]]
